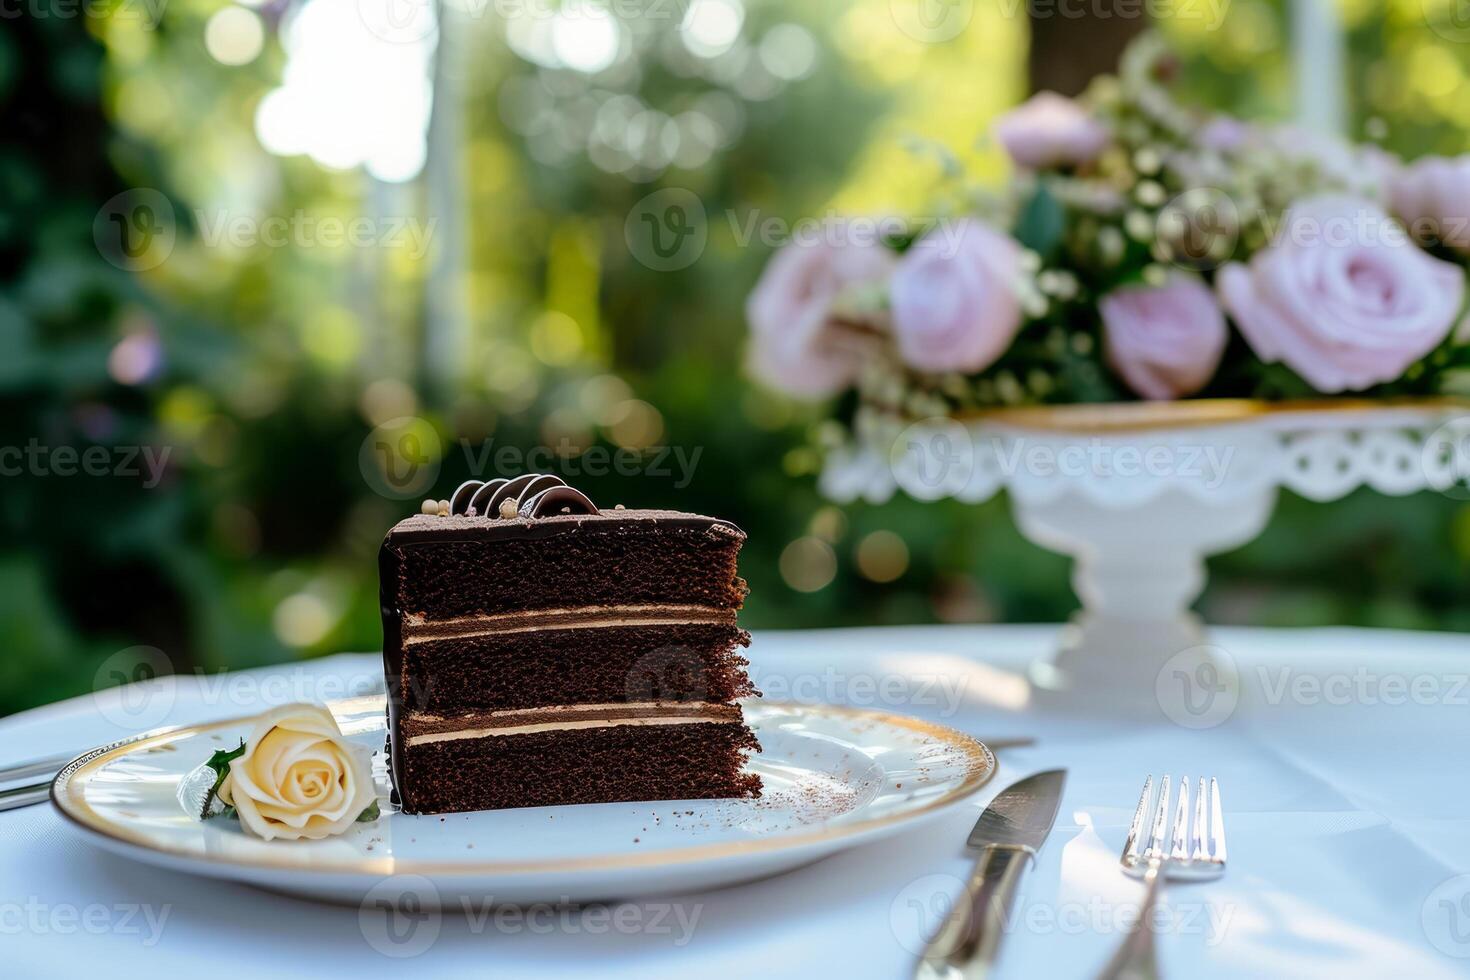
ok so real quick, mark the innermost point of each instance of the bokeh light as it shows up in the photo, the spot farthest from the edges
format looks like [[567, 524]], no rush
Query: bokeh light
[[234, 36], [808, 564], [302, 619], [882, 556], [710, 27], [349, 97]]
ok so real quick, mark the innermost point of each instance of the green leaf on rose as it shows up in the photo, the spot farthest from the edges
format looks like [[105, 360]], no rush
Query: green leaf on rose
[[220, 763], [370, 814]]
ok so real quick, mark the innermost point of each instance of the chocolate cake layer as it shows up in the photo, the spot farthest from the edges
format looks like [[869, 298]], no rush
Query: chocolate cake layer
[[583, 765], [662, 662], [450, 567]]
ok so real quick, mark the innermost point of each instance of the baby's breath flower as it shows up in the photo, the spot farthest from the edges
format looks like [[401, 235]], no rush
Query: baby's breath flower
[[1150, 193], [1139, 226]]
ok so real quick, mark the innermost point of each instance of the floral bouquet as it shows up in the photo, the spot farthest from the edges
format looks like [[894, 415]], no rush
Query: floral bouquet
[[1145, 250]]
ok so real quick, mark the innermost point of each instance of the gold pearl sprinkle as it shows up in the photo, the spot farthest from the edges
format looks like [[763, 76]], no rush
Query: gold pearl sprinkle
[[429, 507], [443, 508], [507, 508]]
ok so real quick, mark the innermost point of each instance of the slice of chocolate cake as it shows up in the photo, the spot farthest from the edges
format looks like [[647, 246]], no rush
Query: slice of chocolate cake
[[539, 651]]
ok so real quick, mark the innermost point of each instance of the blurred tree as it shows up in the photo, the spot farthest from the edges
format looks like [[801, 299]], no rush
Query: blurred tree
[[1072, 43]]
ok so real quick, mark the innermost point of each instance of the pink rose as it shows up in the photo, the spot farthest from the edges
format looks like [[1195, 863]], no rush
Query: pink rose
[[1342, 296], [1432, 196], [795, 345], [1166, 341], [954, 300], [1049, 130]]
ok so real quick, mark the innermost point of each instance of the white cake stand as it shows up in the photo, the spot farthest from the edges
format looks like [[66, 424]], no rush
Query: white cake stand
[[1139, 494]]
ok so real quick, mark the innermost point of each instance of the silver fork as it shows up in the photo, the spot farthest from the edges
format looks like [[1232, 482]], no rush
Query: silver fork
[[1195, 853]]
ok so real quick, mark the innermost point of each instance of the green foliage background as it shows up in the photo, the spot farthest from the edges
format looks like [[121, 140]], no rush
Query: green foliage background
[[258, 545]]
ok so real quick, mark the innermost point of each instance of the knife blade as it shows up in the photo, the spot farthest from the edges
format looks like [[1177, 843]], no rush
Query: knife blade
[[1009, 833]]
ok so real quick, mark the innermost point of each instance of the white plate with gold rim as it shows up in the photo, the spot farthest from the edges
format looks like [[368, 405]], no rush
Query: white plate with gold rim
[[834, 778]]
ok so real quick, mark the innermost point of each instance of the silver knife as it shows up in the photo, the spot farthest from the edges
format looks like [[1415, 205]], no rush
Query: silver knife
[[1008, 834]]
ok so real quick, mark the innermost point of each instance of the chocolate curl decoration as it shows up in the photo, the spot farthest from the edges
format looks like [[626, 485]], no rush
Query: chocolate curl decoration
[[459, 500], [537, 486], [557, 500], [512, 490], [480, 502]]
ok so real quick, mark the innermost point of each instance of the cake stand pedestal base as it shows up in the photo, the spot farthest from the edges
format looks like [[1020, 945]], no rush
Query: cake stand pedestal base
[[1138, 569]]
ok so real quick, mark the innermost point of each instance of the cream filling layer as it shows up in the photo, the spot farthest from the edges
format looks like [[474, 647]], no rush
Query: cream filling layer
[[421, 629], [560, 726], [683, 708]]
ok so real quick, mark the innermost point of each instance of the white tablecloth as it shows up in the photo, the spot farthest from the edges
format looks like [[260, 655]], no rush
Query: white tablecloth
[[1343, 773]]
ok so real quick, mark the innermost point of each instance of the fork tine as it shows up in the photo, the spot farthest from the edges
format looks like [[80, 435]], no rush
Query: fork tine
[[1181, 823], [1217, 824], [1135, 830], [1155, 846], [1197, 834]]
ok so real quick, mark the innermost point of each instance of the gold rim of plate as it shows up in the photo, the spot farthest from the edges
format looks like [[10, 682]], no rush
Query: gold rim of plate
[[1105, 417], [68, 797]]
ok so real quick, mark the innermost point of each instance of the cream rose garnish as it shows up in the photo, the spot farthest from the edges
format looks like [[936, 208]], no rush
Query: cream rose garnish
[[298, 777]]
